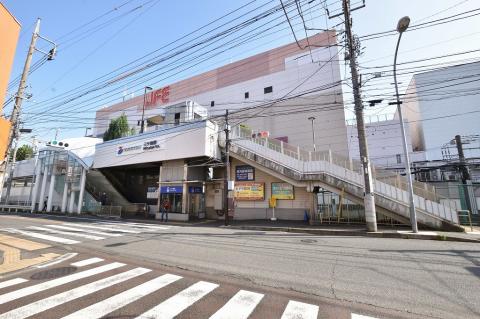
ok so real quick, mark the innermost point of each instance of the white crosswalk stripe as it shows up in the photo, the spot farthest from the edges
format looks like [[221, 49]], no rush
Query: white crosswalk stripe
[[56, 300], [57, 282], [53, 231], [87, 262], [85, 231], [138, 225], [120, 230], [240, 306], [355, 316], [181, 301], [43, 236], [113, 303], [12, 282], [302, 310]]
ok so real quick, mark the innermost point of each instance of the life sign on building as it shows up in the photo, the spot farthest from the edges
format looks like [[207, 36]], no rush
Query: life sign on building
[[282, 191], [249, 191], [244, 173], [160, 96], [140, 147]]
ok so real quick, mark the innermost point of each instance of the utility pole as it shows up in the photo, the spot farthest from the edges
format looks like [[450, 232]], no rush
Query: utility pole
[[227, 166], [464, 171], [14, 118], [369, 199], [14, 129]]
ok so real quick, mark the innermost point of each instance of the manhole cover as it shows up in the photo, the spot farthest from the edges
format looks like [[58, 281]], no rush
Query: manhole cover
[[115, 244], [53, 273], [308, 241]]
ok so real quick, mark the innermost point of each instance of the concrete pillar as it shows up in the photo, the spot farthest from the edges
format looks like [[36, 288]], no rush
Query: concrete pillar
[[38, 176], [64, 196], [72, 200], [50, 193], [185, 189], [82, 190], [42, 189], [159, 203]]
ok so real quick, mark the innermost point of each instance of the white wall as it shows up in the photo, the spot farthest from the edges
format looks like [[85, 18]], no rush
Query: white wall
[[193, 140], [448, 104], [384, 140]]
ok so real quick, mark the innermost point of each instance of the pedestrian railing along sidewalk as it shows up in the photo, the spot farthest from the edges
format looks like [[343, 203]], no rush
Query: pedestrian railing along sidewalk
[[304, 163]]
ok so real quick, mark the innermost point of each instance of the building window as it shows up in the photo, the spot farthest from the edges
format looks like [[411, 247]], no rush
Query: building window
[[399, 158], [247, 95], [212, 103], [268, 89], [177, 118]]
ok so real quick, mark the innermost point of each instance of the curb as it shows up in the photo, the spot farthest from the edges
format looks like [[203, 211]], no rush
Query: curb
[[326, 232]]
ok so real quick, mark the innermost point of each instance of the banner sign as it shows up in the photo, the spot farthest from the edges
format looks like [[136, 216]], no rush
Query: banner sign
[[244, 173], [249, 191], [152, 192], [172, 189], [282, 191], [140, 147], [195, 189]]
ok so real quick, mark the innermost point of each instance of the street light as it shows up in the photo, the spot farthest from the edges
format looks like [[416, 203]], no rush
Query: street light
[[312, 118], [142, 128], [402, 27]]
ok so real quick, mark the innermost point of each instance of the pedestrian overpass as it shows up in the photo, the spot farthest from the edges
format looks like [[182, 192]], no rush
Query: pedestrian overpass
[[343, 176]]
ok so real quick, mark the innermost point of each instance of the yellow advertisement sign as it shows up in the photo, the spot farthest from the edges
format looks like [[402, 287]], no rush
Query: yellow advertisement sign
[[249, 191], [282, 191], [4, 131]]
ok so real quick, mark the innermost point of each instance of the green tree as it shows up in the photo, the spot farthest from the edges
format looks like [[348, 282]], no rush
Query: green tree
[[117, 128], [24, 152]]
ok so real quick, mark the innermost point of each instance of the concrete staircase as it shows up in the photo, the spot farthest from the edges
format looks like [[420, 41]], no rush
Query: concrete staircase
[[336, 173]]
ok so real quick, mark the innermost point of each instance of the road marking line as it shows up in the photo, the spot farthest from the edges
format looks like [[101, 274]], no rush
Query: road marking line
[[66, 296], [12, 282], [87, 262], [355, 316], [239, 306], [181, 301], [58, 260], [104, 228], [84, 231], [53, 231], [44, 237], [113, 303], [302, 310], [136, 225], [57, 282], [21, 243]]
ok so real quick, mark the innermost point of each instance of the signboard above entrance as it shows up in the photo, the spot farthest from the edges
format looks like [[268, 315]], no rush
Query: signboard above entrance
[[140, 147], [172, 189], [244, 173], [249, 191]]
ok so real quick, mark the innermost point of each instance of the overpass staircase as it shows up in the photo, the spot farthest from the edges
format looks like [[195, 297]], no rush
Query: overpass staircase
[[342, 175]]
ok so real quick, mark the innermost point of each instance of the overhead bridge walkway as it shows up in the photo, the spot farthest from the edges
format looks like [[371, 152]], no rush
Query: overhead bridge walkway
[[340, 175]]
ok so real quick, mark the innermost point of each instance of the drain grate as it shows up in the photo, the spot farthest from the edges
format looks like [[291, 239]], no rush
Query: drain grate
[[53, 273], [308, 241]]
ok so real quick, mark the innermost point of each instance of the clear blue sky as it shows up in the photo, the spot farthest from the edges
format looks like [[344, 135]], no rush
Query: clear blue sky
[[134, 32]]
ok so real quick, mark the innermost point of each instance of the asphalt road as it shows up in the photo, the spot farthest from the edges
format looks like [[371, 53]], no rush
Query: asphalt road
[[383, 278]]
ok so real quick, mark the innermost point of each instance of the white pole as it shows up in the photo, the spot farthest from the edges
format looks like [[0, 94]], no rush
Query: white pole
[[50, 192], [82, 190], [42, 190]]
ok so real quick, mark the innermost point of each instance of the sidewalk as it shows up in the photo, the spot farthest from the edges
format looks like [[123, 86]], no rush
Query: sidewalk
[[354, 230]]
